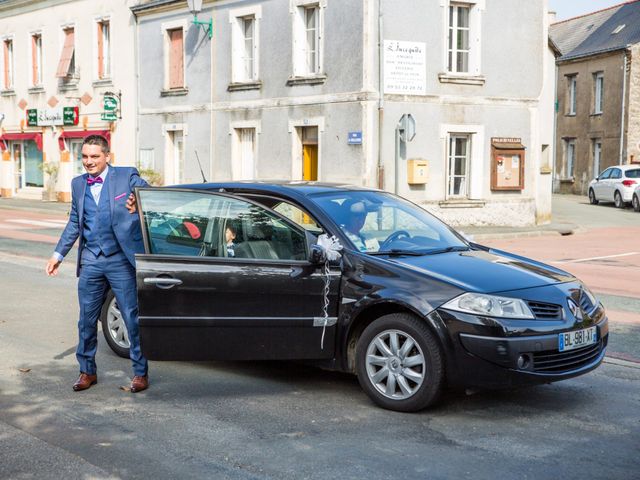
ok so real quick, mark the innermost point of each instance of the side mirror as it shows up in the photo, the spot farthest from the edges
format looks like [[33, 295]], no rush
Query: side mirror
[[317, 255]]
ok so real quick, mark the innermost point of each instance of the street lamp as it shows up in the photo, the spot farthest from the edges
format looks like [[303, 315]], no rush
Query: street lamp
[[195, 6]]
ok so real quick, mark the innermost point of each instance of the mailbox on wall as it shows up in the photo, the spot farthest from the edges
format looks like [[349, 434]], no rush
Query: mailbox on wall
[[417, 171], [507, 164]]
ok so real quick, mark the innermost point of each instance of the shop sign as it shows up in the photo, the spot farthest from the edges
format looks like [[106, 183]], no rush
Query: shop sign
[[49, 117], [405, 67], [110, 106]]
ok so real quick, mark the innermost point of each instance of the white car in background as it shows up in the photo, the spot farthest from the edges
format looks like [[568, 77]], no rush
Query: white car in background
[[616, 184], [635, 200]]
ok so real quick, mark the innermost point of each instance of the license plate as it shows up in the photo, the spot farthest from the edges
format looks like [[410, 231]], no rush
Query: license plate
[[577, 339]]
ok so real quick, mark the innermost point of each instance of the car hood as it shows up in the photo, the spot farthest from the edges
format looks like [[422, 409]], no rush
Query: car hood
[[485, 271]]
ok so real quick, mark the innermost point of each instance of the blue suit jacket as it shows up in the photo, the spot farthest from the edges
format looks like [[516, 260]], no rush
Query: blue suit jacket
[[126, 226]]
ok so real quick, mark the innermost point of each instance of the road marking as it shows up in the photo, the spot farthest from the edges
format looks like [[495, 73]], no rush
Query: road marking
[[596, 258], [39, 223], [9, 226]]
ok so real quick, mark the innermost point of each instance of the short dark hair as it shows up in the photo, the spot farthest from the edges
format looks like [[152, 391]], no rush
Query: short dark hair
[[97, 140]]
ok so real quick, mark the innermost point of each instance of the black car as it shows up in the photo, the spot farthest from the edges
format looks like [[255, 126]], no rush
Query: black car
[[234, 271]]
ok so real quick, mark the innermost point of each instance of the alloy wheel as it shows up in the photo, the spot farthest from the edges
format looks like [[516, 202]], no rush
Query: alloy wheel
[[592, 197], [636, 203], [617, 199], [395, 364], [116, 328]]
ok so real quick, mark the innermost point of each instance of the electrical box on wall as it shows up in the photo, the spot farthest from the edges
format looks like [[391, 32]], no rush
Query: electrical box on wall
[[417, 171]]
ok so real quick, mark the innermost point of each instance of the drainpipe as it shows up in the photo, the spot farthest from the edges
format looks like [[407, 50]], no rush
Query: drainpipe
[[381, 96], [624, 103]]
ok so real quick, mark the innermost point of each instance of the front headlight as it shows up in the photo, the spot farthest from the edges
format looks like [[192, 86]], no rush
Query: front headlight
[[489, 305], [590, 295]]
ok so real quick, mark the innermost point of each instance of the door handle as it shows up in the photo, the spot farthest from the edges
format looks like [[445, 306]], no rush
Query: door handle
[[162, 282]]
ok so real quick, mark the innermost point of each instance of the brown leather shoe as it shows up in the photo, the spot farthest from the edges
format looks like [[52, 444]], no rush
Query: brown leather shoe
[[85, 381], [139, 383]]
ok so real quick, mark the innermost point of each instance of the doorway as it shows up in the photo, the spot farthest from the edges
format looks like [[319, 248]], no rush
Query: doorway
[[309, 137], [27, 161]]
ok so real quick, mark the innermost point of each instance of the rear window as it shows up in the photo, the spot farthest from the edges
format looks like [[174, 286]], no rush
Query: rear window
[[633, 173]]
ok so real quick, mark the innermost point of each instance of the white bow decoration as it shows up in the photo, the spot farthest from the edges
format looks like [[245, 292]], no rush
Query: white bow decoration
[[331, 246]]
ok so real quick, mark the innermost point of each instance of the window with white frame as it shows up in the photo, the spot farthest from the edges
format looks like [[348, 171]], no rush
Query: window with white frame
[[463, 38], [36, 59], [597, 155], [307, 39], [458, 41], [570, 156], [458, 165], [244, 167], [572, 82], [8, 64], [598, 91], [103, 49], [244, 40]]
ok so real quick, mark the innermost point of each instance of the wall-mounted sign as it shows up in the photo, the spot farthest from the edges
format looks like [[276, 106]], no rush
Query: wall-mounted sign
[[48, 117], [354, 138], [405, 67], [110, 105], [507, 163]]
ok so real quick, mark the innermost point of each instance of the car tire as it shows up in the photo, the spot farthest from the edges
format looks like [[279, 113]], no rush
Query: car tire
[[113, 327], [592, 197], [635, 201], [617, 200], [397, 375]]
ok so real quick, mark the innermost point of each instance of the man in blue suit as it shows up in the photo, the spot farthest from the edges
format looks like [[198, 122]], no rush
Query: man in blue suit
[[110, 236]]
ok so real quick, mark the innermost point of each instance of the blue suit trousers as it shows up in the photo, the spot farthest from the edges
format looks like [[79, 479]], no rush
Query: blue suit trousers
[[97, 273]]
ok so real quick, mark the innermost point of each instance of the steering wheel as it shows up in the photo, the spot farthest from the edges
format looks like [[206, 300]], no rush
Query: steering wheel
[[394, 236]]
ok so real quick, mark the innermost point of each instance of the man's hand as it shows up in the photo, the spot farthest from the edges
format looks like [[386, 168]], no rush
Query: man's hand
[[52, 266], [132, 205]]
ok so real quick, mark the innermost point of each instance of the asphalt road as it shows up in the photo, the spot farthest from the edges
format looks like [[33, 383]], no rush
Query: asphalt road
[[278, 420]]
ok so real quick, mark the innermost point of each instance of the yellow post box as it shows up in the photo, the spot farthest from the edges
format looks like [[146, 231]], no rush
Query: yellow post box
[[417, 171]]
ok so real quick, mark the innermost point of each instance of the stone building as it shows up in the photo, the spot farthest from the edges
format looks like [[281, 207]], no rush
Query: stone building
[[68, 71], [598, 94], [430, 98]]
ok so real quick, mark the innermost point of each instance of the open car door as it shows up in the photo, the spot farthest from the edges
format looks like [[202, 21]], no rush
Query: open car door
[[225, 278]]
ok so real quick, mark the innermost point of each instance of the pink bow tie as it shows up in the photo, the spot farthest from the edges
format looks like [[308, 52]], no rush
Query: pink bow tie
[[92, 180]]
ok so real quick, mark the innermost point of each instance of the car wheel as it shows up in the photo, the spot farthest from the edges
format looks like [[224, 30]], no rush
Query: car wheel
[[592, 197], [617, 200], [399, 363], [636, 203], [113, 327]]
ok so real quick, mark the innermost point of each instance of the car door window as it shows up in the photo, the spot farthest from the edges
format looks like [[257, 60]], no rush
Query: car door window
[[299, 217], [616, 173], [605, 175], [205, 224]]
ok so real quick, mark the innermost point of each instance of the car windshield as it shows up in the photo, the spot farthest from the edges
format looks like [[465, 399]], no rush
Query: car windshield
[[381, 223]]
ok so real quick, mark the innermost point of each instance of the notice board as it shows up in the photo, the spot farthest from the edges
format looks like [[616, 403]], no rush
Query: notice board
[[507, 163]]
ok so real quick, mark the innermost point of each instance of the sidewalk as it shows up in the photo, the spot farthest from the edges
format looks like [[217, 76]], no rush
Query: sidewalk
[[38, 206]]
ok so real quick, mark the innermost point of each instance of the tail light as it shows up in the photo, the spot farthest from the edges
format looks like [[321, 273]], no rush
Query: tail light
[[628, 183]]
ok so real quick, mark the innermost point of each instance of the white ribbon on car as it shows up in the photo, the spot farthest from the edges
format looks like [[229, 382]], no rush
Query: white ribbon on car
[[331, 250]]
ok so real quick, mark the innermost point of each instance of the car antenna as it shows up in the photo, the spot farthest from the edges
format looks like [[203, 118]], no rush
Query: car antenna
[[204, 180]]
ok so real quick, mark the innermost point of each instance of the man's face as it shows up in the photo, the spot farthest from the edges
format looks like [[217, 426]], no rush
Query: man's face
[[94, 159]]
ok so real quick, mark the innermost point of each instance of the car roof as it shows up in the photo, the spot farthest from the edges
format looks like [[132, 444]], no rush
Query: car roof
[[626, 167], [286, 187]]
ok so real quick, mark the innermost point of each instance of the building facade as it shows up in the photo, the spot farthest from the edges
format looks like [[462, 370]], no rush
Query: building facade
[[598, 96], [68, 72], [421, 97]]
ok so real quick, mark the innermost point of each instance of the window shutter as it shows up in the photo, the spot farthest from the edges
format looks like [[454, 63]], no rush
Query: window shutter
[[176, 59], [66, 55], [34, 60], [100, 51], [6, 65]]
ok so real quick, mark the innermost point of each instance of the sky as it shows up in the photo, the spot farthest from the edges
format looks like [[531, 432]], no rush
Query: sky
[[572, 8]]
